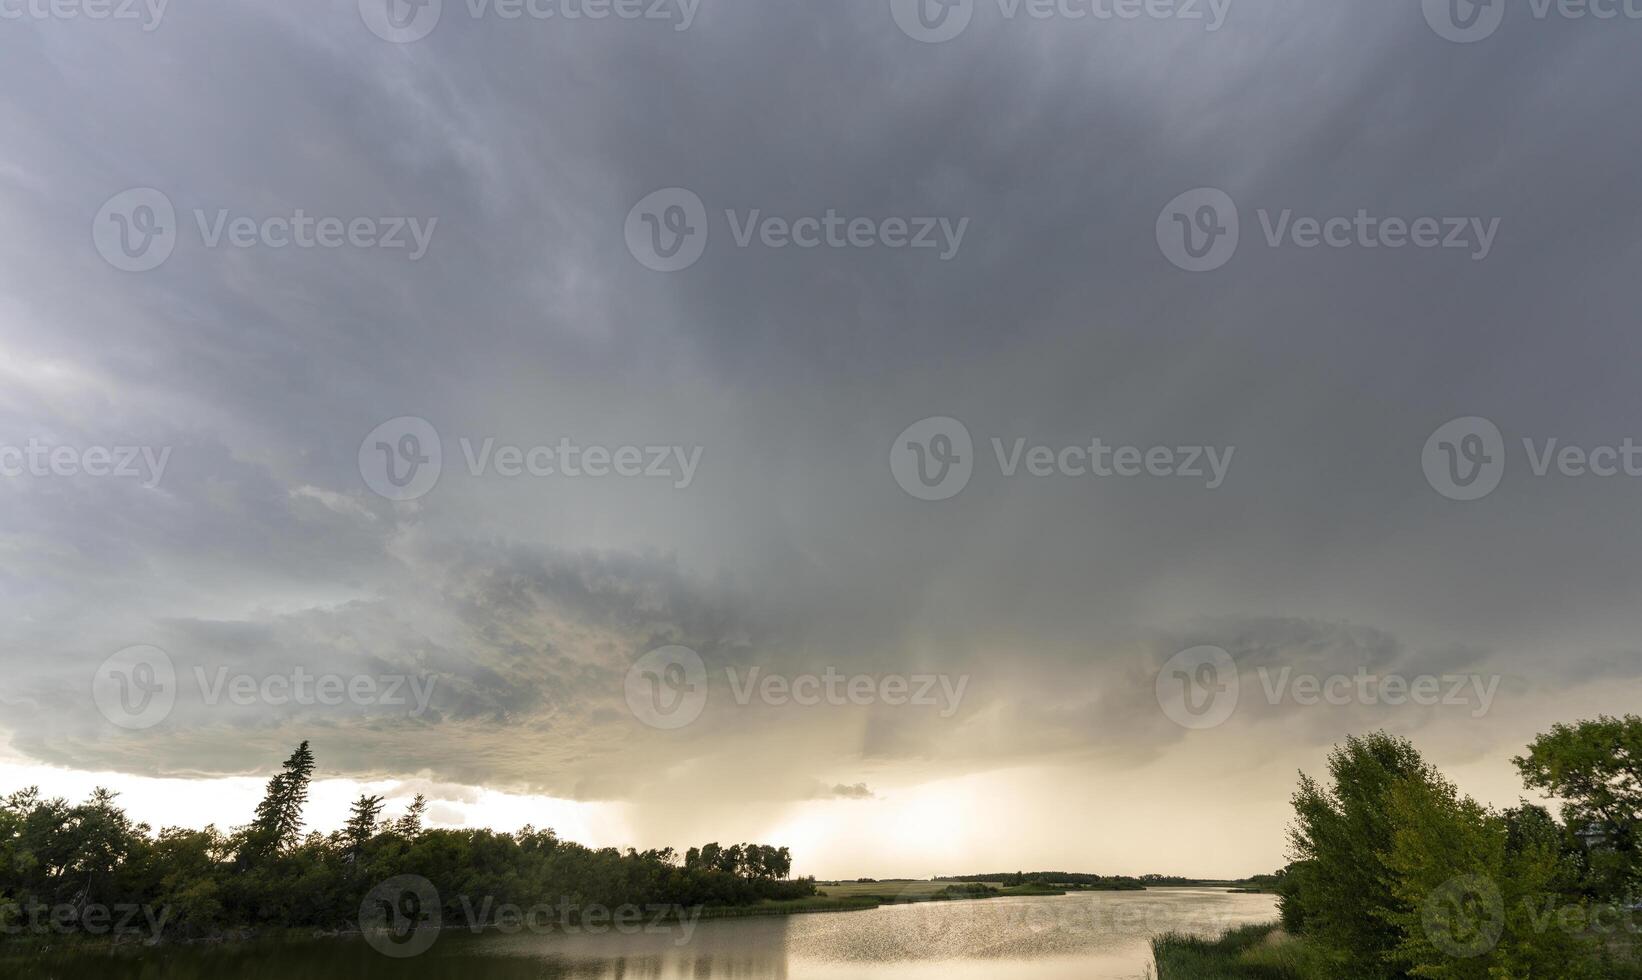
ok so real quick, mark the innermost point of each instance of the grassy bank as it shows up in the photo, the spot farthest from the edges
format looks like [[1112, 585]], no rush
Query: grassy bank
[[856, 896], [903, 892], [846, 897], [1250, 953], [859, 896], [795, 906]]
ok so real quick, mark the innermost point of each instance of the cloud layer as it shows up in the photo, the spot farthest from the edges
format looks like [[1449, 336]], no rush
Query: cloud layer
[[524, 600]]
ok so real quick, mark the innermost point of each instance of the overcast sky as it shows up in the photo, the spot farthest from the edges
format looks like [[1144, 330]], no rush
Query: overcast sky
[[495, 268]]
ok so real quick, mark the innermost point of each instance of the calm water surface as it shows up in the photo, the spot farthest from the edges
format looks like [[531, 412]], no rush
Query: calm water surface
[[1088, 936]]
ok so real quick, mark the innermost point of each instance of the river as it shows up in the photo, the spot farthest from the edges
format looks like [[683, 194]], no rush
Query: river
[[1078, 936]]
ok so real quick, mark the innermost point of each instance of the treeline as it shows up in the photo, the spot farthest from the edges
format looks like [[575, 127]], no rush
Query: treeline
[[76, 863], [1397, 874], [1252, 883], [1085, 881]]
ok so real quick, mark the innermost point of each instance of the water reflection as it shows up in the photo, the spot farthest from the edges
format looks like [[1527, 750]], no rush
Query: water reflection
[[1084, 936]]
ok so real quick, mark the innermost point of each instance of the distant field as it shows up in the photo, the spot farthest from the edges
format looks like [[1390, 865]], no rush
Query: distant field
[[888, 889], [818, 903]]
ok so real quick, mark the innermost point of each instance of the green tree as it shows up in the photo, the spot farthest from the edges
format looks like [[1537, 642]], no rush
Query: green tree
[[101, 837], [710, 856], [361, 825], [1342, 890], [1595, 768], [410, 825], [1478, 891], [269, 875], [277, 825]]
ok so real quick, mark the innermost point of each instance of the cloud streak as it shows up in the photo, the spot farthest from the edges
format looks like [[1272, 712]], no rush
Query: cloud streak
[[1049, 146]]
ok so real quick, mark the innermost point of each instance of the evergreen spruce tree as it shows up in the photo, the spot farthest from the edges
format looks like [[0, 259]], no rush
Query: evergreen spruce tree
[[410, 825], [361, 825], [277, 825]]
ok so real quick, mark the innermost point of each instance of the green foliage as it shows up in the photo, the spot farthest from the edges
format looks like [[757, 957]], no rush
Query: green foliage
[[410, 825], [267, 876], [278, 821], [1343, 894], [756, 861], [1595, 768], [1248, 953], [1396, 874], [362, 819], [1057, 879], [1480, 889]]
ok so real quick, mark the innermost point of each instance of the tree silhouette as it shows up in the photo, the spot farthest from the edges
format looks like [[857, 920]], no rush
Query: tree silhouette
[[361, 825], [410, 825], [277, 825], [82, 860]]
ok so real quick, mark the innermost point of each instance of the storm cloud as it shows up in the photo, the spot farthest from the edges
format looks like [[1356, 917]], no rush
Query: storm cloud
[[532, 331]]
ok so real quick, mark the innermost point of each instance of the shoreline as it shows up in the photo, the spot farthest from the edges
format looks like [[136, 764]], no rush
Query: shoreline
[[14, 947]]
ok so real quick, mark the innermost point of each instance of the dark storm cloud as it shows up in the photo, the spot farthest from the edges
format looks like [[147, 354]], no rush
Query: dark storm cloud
[[1057, 321]]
